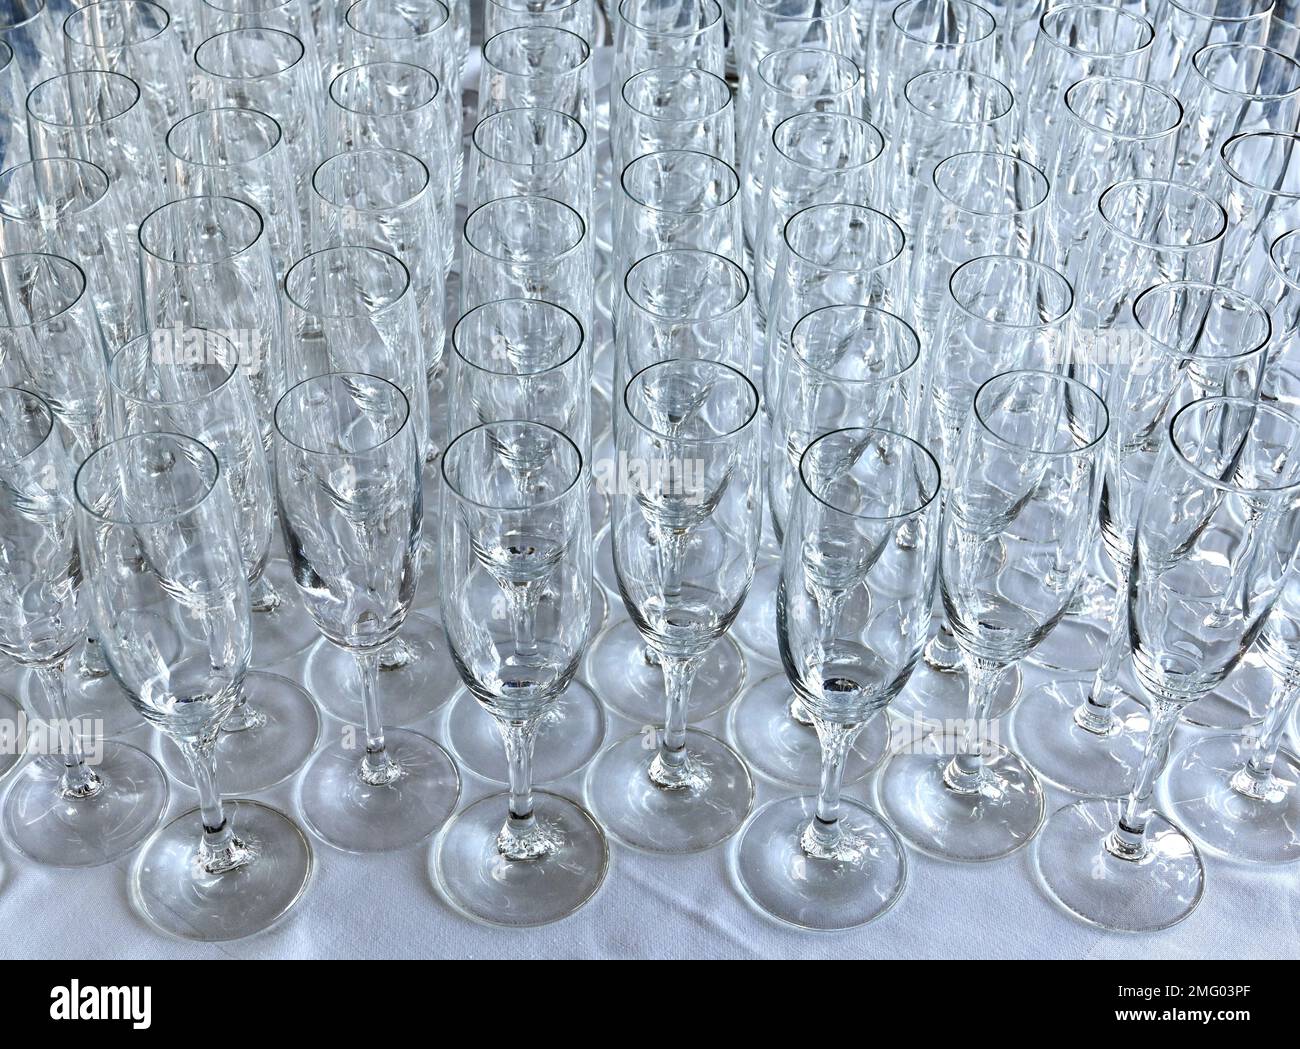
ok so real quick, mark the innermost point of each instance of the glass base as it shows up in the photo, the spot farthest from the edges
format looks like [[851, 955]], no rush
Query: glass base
[[175, 896], [58, 831], [408, 693], [780, 748], [937, 698], [12, 745], [690, 818], [571, 733], [1074, 646], [1198, 793], [354, 816], [942, 654], [1047, 736], [287, 630], [855, 884], [755, 627], [989, 821], [1081, 874], [626, 682], [284, 730], [1241, 700], [483, 884], [91, 701]]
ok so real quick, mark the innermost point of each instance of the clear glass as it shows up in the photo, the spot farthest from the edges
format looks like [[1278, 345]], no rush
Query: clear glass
[[687, 481], [28, 28], [177, 638], [349, 492], [1183, 27], [540, 67], [673, 107], [1261, 195], [577, 16], [650, 34], [537, 152]]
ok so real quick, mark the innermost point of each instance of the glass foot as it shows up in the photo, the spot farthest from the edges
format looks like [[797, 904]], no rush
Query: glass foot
[[12, 742], [857, 883], [1241, 700], [1198, 792], [1044, 731], [937, 699], [942, 654], [689, 818], [571, 732], [346, 812], [287, 630], [1074, 646], [174, 895], [59, 831], [984, 821], [483, 884], [777, 746], [618, 672], [755, 627], [1083, 876], [284, 728], [408, 691]]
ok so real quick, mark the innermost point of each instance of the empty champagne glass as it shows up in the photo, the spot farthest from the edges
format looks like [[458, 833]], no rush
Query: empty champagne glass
[[169, 595], [537, 66], [853, 612], [28, 29], [849, 367], [515, 568], [1261, 195], [89, 801], [577, 16], [1183, 27], [1084, 732], [1019, 521], [673, 107], [191, 381], [687, 508], [1216, 535], [537, 152], [350, 497], [652, 33], [14, 148]]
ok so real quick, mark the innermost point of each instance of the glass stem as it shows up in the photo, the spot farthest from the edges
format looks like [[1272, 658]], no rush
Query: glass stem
[[79, 780], [377, 769], [671, 767], [262, 595], [1095, 713], [523, 619], [823, 834], [966, 770], [92, 664], [1128, 840], [1255, 779], [219, 850], [522, 838]]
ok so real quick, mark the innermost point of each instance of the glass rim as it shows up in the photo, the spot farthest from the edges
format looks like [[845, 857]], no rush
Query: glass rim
[[530, 304], [167, 22], [1291, 280], [61, 263], [1240, 45], [947, 74], [347, 20], [1037, 173], [343, 205], [857, 208], [1264, 11], [874, 135], [101, 179], [47, 413], [642, 203], [1217, 292], [708, 75], [926, 501], [1071, 49], [41, 8], [323, 453], [1103, 418], [1034, 264], [1202, 198], [261, 115], [845, 5], [1122, 136], [428, 101], [798, 336], [551, 500], [260, 223], [734, 268], [559, 256], [844, 63], [104, 449], [266, 8], [264, 30], [565, 120], [231, 366], [953, 45], [708, 6], [560, 74], [1219, 483], [312, 258], [1238, 177], [717, 438], [108, 74], [523, 9]]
